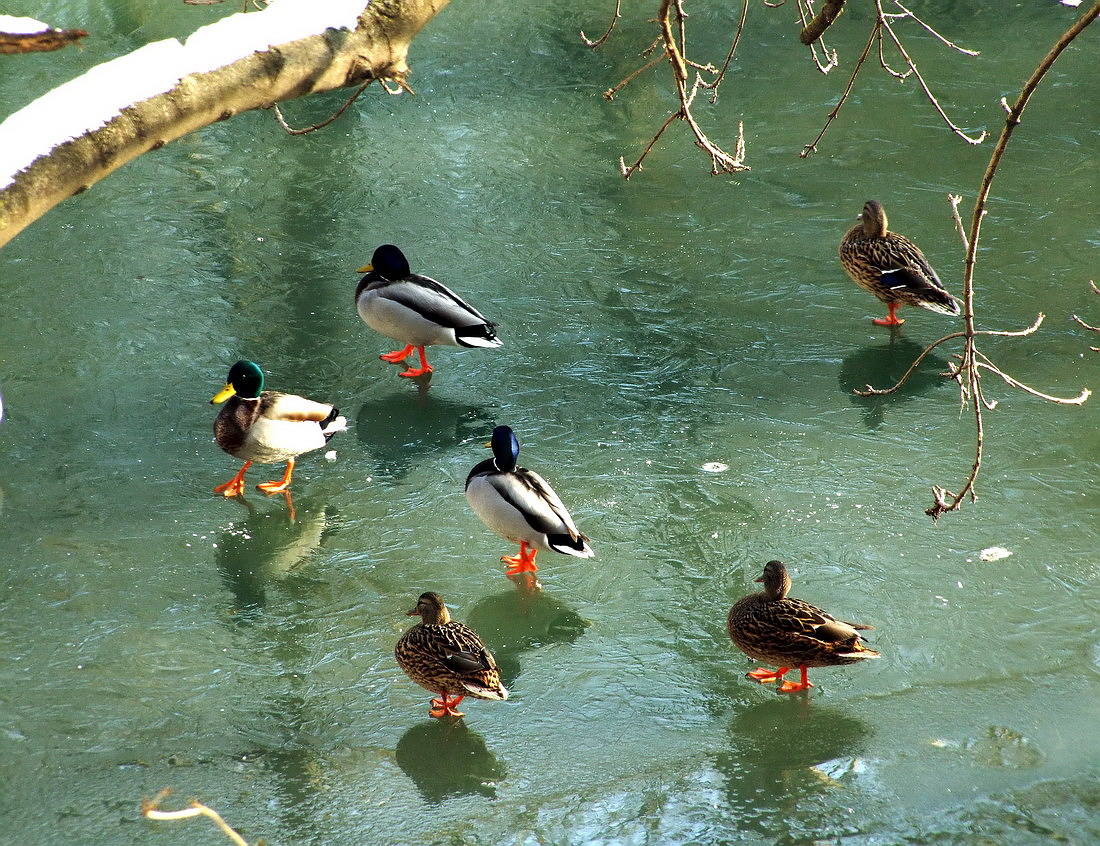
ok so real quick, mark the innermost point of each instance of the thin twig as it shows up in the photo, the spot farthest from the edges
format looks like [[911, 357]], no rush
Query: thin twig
[[610, 29], [946, 41], [812, 147], [1077, 400], [1091, 328], [150, 811], [610, 93], [714, 83], [955, 199], [291, 131], [924, 85], [627, 172], [898, 75]]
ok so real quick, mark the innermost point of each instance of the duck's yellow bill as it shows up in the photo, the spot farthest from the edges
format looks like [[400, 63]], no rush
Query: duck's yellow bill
[[224, 394], [366, 268]]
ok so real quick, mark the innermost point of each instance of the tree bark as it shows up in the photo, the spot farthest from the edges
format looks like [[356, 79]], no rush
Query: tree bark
[[376, 49]]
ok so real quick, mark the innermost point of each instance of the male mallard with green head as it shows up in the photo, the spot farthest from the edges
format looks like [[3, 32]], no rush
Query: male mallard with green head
[[447, 657], [268, 426], [416, 310], [891, 267], [772, 628]]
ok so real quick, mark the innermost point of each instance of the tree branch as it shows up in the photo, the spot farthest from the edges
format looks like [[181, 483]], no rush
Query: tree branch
[[195, 89], [812, 31], [969, 370]]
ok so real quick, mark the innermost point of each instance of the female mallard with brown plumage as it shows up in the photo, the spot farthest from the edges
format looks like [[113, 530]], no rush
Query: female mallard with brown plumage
[[268, 426], [774, 629], [447, 658], [891, 267]]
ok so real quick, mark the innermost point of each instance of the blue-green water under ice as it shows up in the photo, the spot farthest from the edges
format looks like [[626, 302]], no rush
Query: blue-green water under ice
[[679, 354]]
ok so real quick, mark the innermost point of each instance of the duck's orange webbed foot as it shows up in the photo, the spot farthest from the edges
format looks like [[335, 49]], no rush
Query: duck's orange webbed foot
[[891, 319], [790, 687], [446, 706], [424, 367], [397, 355], [235, 486], [524, 562], [764, 676], [282, 484]]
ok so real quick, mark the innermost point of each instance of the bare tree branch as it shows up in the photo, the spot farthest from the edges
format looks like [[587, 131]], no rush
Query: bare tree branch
[[673, 38], [972, 362], [883, 24]]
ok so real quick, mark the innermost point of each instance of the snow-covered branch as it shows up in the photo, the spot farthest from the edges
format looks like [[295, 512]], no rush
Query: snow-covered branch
[[71, 137]]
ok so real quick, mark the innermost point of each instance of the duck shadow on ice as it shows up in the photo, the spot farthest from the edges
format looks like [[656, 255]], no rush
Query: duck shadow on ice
[[444, 758], [516, 621], [401, 429], [881, 366], [780, 754]]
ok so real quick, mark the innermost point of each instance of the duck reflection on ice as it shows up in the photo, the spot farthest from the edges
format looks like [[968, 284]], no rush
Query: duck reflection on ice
[[265, 548], [445, 758], [881, 366]]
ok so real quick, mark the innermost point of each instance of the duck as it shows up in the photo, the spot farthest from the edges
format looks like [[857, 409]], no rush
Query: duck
[[447, 657], [416, 310], [520, 506], [773, 628], [892, 267], [268, 426]]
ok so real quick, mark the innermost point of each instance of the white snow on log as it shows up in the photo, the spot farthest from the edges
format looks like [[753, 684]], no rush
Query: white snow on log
[[94, 99], [22, 26]]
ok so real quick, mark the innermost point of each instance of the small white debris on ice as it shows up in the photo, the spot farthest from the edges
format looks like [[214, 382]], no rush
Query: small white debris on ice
[[716, 467], [330, 455], [994, 553]]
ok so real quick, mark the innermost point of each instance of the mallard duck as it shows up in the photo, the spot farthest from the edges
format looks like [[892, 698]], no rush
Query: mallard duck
[[416, 310], [447, 658], [268, 426], [770, 627], [520, 506], [891, 267]]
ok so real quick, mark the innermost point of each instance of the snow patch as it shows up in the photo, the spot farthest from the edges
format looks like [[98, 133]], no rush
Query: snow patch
[[22, 26], [97, 97]]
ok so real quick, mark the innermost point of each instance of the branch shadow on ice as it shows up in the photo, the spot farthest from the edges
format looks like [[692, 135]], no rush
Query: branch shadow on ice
[[881, 366]]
